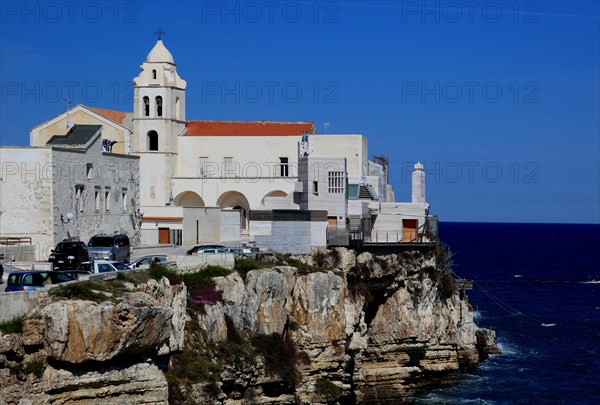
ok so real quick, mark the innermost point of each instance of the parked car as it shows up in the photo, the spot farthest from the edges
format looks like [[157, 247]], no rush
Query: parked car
[[210, 250], [68, 254], [34, 279], [239, 250], [144, 262], [198, 247], [104, 266], [110, 247], [76, 274]]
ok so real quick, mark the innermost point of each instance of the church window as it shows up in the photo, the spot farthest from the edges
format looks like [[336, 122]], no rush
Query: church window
[[146, 106], [283, 167], [124, 199], [177, 107], [97, 199], [152, 140], [88, 171], [78, 197], [228, 170], [107, 200], [154, 73], [159, 106]]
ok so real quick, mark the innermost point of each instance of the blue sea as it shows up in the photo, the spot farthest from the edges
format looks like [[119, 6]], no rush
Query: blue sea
[[530, 288]]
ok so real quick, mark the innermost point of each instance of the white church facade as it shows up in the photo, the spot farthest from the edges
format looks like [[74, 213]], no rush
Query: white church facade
[[195, 175]]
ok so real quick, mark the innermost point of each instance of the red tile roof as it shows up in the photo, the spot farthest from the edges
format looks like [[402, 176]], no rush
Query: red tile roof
[[113, 115], [245, 128]]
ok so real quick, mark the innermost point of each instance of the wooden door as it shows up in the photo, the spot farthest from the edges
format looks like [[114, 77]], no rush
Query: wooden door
[[409, 230], [163, 235], [332, 222]]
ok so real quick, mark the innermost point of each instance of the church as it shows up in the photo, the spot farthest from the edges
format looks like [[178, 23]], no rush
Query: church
[[206, 181]]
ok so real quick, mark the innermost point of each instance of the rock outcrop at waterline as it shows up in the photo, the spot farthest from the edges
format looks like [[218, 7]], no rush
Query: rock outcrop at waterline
[[370, 330]]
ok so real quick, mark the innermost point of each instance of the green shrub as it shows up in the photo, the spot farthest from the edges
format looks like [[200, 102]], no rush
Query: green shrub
[[36, 367], [443, 258], [448, 286], [335, 257], [327, 390], [15, 325], [319, 257], [159, 271]]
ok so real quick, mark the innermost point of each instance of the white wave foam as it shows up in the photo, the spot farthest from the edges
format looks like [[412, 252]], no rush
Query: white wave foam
[[548, 325], [518, 275], [507, 348]]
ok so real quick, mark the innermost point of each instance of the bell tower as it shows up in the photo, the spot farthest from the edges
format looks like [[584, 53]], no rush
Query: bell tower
[[159, 103]]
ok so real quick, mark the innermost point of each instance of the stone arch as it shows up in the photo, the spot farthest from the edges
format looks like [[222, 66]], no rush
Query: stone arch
[[274, 193], [235, 200], [188, 199]]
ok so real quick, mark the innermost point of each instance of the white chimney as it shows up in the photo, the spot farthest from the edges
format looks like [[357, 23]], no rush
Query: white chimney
[[418, 184]]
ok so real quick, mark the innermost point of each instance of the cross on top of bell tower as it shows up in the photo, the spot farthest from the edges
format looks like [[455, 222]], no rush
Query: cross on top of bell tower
[[159, 33]]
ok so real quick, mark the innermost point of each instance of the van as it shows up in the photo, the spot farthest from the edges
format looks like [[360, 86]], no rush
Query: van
[[34, 279], [110, 247]]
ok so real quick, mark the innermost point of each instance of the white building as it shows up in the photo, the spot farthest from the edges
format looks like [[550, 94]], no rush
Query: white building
[[237, 167]]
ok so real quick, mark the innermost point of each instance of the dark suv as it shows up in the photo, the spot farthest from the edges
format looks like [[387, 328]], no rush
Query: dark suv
[[69, 255]]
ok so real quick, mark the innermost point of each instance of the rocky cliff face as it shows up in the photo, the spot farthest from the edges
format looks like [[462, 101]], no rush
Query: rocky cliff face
[[369, 330], [377, 328], [81, 352]]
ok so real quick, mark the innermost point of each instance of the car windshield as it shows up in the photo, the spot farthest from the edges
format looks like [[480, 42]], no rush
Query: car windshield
[[121, 266], [67, 248], [101, 241]]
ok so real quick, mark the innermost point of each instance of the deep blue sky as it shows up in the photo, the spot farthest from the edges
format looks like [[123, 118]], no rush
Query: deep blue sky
[[420, 80]]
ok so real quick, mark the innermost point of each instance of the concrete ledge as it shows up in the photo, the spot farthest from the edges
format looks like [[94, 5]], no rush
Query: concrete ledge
[[186, 264], [18, 303]]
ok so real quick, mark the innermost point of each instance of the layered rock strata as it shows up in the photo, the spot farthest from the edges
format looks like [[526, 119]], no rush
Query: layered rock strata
[[371, 329]]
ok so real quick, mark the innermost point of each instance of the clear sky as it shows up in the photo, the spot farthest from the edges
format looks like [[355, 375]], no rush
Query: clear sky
[[499, 100]]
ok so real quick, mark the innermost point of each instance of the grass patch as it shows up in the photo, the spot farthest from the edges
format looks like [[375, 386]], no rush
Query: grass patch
[[134, 277], [327, 390], [15, 325], [245, 264], [204, 276], [91, 290]]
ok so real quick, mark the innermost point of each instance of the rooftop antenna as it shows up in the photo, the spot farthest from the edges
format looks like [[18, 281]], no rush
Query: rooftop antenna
[[70, 123], [159, 33]]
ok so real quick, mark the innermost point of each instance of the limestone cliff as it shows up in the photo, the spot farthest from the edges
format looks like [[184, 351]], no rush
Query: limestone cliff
[[332, 327], [82, 352], [375, 329]]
